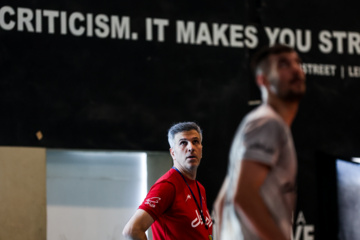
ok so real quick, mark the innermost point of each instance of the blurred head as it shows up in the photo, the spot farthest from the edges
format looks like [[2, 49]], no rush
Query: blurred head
[[278, 73]]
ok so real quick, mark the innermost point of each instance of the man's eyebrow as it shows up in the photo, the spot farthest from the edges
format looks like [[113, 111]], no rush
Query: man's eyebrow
[[282, 59], [194, 138], [298, 59]]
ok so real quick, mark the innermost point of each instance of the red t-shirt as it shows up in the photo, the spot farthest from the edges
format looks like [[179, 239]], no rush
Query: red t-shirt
[[171, 205]]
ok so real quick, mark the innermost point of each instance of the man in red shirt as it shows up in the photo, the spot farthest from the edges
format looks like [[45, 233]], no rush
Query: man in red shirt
[[175, 206]]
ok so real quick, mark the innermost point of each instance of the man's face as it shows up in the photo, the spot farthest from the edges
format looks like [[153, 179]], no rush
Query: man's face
[[286, 77], [187, 150]]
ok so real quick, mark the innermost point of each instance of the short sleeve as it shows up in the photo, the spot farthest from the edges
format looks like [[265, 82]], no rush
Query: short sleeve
[[262, 140], [159, 199]]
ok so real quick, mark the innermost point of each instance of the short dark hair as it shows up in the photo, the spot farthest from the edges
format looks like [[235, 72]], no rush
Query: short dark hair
[[260, 59], [182, 127]]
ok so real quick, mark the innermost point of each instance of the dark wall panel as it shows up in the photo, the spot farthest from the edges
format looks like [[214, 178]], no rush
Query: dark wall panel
[[84, 89]]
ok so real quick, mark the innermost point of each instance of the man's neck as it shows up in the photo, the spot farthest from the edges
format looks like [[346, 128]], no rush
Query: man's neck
[[190, 174], [286, 110]]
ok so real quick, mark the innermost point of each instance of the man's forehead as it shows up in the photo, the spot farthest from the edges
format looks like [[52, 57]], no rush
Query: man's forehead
[[187, 135], [283, 56]]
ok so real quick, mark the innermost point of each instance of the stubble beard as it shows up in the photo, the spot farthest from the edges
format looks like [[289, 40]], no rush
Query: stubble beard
[[291, 95]]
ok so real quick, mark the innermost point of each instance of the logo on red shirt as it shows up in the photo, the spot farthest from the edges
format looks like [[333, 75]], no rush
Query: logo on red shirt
[[152, 201], [197, 221], [188, 197]]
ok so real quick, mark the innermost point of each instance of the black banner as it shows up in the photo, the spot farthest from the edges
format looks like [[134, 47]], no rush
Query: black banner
[[116, 74]]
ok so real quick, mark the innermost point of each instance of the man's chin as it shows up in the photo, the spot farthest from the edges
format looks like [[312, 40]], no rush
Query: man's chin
[[193, 165], [294, 96]]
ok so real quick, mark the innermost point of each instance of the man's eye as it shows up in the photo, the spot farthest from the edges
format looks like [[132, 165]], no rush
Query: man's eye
[[182, 143], [283, 64]]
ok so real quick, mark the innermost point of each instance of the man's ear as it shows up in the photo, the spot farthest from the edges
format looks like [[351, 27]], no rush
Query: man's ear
[[261, 80], [172, 153]]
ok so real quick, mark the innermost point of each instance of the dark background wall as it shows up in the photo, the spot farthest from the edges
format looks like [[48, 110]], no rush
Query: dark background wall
[[123, 93]]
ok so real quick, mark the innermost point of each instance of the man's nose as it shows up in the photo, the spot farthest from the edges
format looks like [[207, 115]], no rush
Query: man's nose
[[297, 68], [190, 147]]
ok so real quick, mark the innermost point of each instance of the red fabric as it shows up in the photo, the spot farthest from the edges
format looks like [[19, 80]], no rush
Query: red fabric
[[174, 210]]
